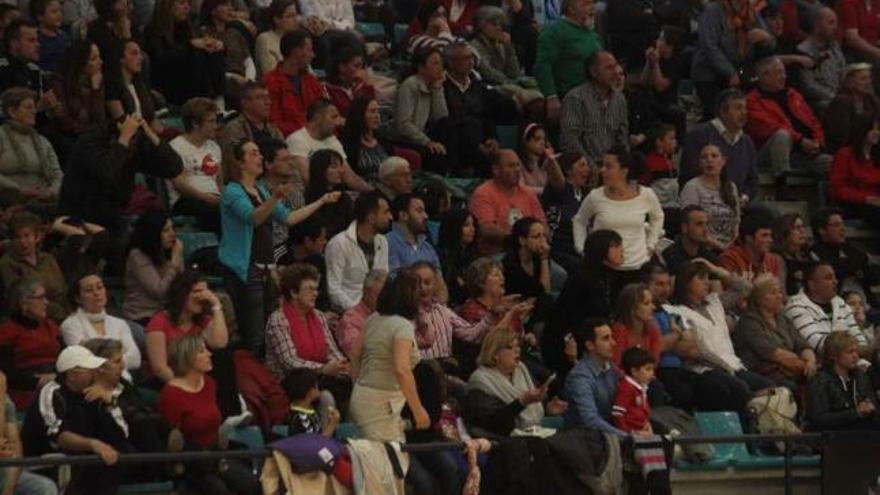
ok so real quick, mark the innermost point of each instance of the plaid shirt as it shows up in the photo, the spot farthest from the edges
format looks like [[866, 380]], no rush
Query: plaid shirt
[[281, 355], [591, 124], [446, 325]]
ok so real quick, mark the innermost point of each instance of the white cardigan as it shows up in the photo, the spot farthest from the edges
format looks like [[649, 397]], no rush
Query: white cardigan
[[77, 328]]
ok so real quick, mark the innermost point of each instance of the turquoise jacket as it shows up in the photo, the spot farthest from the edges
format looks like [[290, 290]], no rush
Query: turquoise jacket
[[236, 218]]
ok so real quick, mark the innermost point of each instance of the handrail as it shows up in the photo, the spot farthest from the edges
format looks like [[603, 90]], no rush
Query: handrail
[[91, 459]]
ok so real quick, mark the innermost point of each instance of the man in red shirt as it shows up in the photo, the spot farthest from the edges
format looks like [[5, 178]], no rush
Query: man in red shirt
[[859, 22], [750, 255], [502, 200], [292, 85]]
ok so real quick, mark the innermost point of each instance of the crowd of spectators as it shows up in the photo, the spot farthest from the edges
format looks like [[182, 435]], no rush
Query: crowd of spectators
[[382, 253]]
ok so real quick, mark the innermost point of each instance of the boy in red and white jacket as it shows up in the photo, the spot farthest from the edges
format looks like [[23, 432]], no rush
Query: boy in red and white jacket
[[631, 410]]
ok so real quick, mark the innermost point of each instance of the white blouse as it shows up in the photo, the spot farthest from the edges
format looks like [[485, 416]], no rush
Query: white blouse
[[77, 328]]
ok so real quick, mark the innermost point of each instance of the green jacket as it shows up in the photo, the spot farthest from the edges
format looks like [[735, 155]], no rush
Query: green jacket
[[562, 49]]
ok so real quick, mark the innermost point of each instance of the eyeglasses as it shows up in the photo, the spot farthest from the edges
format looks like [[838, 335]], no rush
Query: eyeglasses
[[39, 296]]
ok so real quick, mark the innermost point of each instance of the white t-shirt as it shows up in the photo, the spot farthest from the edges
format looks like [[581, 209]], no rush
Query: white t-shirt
[[302, 144], [202, 163]]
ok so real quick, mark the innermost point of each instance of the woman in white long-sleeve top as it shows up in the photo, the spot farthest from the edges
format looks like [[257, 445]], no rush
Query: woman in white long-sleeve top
[[622, 205]]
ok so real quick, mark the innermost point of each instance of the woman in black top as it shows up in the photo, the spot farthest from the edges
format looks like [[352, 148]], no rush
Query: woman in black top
[[567, 186], [790, 237], [589, 291], [527, 265], [363, 147], [183, 65], [325, 172], [457, 248]]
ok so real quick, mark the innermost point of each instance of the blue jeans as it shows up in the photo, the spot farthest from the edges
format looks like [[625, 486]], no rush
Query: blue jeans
[[34, 484]]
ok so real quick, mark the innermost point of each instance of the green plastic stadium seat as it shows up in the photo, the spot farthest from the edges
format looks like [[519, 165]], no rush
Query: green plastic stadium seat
[[193, 241], [400, 33], [508, 136], [281, 430], [248, 435], [348, 430], [371, 30], [555, 422]]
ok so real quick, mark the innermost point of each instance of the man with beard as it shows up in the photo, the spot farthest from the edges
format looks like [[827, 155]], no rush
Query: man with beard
[[357, 250], [407, 241]]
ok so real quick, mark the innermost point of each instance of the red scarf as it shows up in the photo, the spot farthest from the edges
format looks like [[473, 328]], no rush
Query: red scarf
[[309, 339]]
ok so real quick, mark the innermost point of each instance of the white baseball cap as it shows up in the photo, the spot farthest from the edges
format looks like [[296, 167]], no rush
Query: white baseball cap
[[77, 356]]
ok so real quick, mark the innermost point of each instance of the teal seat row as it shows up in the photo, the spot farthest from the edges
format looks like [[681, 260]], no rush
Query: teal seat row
[[736, 455]]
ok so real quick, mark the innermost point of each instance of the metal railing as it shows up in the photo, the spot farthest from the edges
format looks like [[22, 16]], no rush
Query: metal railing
[[54, 460]]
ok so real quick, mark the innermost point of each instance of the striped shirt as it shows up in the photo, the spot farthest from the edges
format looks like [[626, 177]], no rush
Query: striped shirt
[[446, 325], [591, 124], [815, 325]]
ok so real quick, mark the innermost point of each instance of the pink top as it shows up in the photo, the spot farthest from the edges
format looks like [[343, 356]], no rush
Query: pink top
[[350, 327], [161, 322]]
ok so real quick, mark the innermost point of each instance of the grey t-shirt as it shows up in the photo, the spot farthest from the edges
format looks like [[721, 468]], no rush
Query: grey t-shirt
[[723, 219], [377, 354]]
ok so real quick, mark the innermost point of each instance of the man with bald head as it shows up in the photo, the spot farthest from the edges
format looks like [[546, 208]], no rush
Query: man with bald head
[[502, 200], [594, 114], [819, 84]]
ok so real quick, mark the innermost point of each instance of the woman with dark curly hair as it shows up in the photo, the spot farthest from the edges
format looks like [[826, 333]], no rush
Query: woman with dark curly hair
[[457, 248], [79, 85]]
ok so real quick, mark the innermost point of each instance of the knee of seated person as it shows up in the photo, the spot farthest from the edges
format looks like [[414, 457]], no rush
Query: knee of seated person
[[782, 136]]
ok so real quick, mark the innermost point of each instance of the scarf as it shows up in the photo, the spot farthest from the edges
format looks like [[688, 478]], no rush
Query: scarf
[[741, 19], [309, 339], [424, 332], [496, 384], [92, 317]]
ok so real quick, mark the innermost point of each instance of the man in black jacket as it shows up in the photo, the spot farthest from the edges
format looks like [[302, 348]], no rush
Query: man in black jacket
[[100, 178], [851, 263], [474, 110]]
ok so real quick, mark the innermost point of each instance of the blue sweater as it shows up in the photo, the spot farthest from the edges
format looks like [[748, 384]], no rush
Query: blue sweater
[[742, 158], [236, 217], [590, 392]]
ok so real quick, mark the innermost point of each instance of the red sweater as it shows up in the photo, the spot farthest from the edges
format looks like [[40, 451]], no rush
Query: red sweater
[[622, 335], [31, 348], [289, 107], [852, 178], [766, 117], [630, 410], [196, 414], [736, 259]]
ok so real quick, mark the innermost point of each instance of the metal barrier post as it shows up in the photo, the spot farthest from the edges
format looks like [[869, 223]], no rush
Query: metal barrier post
[[787, 453]]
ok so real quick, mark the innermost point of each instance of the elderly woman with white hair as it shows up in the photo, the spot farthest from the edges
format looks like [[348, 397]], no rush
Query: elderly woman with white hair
[[498, 63], [395, 177]]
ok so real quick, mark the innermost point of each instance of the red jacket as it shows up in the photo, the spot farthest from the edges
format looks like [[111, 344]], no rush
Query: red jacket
[[736, 259], [288, 108], [630, 410], [30, 348], [791, 29], [766, 117], [853, 179], [343, 97]]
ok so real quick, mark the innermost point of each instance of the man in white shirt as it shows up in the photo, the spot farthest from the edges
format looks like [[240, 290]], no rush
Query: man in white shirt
[[322, 120], [362, 247], [196, 191]]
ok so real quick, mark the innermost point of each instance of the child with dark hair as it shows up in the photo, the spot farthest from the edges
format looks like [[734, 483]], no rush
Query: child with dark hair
[[631, 413], [302, 389], [662, 173], [631, 410]]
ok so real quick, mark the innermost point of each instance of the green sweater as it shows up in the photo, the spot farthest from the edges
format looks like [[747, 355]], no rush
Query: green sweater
[[562, 48]]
